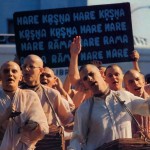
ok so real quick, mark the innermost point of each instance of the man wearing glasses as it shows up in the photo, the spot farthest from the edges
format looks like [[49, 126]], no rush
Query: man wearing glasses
[[55, 110]]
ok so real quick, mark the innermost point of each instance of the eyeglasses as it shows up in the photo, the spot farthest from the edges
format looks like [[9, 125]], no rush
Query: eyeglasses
[[30, 67]]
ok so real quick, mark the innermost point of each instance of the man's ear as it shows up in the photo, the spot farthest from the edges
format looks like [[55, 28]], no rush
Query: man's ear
[[126, 87], [41, 70], [125, 84], [55, 77], [21, 77]]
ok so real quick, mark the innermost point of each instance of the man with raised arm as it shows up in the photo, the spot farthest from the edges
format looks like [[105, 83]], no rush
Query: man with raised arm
[[103, 117]]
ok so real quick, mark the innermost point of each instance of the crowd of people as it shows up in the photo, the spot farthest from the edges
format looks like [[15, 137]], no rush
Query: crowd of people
[[39, 111]]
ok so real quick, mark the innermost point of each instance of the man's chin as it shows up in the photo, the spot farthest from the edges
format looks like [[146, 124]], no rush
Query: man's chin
[[9, 88]]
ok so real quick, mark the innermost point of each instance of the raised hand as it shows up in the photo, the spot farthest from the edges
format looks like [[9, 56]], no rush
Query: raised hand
[[75, 47], [135, 55]]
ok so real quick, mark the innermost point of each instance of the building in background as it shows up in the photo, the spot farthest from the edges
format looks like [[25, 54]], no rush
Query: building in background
[[8, 7]]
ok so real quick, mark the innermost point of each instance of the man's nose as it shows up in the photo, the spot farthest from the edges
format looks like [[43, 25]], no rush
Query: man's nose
[[135, 82], [89, 78], [44, 76], [10, 72], [114, 76]]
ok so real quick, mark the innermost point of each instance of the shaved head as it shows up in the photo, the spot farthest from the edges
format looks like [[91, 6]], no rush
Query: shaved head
[[8, 63], [132, 72], [35, 59], [10, 73], [32, 69], [134, 82], [92, 79], [88, 65], [47, 69], [48, 77]]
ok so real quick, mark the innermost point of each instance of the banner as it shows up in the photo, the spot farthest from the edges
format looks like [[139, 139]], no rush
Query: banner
[[106, 33]]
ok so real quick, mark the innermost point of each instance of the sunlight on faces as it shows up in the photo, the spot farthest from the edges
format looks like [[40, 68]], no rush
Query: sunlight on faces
[[10, 75], [48, 77], [134, 82], [32, 70], [114, 77], [92, 79]]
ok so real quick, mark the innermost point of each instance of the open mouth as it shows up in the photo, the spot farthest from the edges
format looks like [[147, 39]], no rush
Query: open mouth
[[44, 83], [93, 83], [9, 80], [137, 89], [115, 82]]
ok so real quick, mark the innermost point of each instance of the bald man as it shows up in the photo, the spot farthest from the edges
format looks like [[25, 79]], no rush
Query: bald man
[[103, 118], [135, 83], [51, 99], [20, 130], [49, 79]]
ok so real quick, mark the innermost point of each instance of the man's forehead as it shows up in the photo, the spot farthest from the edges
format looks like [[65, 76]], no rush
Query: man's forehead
[[85, 72], [33, 60], [49, 71], [134, 74], [29, 60], [89, 69], [10, 65], [131, 76]]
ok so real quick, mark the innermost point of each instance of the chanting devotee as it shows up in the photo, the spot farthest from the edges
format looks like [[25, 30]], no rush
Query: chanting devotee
[[22, 119]]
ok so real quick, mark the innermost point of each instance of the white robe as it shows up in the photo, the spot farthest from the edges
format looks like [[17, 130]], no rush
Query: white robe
[[28, 103], [109, 120]]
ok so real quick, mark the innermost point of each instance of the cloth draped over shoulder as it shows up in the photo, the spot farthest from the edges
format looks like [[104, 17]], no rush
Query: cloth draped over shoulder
[[27, 102], [109, 120], [64, 114]]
